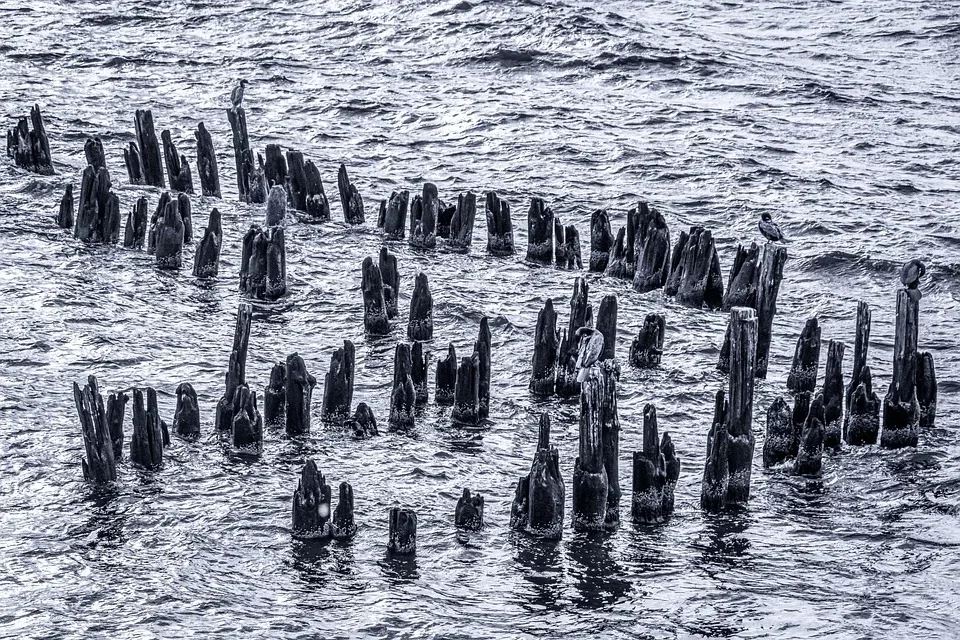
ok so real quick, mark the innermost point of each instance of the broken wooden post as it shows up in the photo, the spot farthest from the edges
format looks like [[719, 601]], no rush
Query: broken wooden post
[[806, 359], [146, 444], [169, 234], [539, 232], [275, 167], [926, 389], [567, 246], [744, 279], [581, 315], [318, 207], [743, 351], [186, 214], [716, 471], [338, 384], [701, 282], [649, 473], [466, 405], [901, 408], [236, 371], [499, 226], [247, 427], [28, 145], [263, 263], [801, 409], [617, 264], [651, 249], [482, 347], [768, 288], [363, 424], [206, 261], [311, 504], [100, 464], [403, 532], [423, 219], [647, 348], [607, 325], [393, 215], [390, 277], [150, 158], [207, 163], [601, 239], [65, 216], [447, 377], [810, 453], [186, 419], [276, 206], [350, 198], [860, 347], [538, 505], [275, 396], [778, 443], [418, 373], [375, 320], [461, 225], [403, 399], [256, 178], [344, 527], [545, 344], [241, 152], [469, 512], [420, 324], [93, 152], [134, 164], [135, 233], [672, 285], [299, 391], [863, 414], [595, 471], [832, 393], [297, 180], [178, 169], [98, 212], [445, 213]]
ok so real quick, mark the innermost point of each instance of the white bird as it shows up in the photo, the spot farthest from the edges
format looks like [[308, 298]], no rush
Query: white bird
[[591, 348], [236, 96], [769, 228]]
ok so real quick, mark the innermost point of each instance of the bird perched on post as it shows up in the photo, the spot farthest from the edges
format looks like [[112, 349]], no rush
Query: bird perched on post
[[591, 347], [910, 275], [236, 96], [769, 229]]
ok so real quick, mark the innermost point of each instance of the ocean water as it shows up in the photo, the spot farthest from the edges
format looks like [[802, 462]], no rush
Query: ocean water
[[841, 119]]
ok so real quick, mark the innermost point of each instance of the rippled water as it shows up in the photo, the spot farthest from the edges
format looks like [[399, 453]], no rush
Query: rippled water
[[841, 119]]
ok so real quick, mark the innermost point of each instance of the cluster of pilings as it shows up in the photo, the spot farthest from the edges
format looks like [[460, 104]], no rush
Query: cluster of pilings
[[430, 218], [28, 145], [549, 241], [263, 261]]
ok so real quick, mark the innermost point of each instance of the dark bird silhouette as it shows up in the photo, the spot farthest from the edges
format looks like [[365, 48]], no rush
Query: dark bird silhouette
[[591, 347], [769, 228], [910, 275], [236, 96]]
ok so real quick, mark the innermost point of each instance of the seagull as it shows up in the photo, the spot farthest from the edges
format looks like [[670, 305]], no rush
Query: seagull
[[769, 228], [236, 96], [910, 276], [591, 347]]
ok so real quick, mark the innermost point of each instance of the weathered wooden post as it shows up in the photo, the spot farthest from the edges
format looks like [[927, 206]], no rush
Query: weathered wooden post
[[311, 504], [236, 371], [420, 324], [647, 348], [247, 428], [29, 147], [350, 198], [403, 399], [768, 288], [567, 243], [649, 473], [135, 233], [833, 396], [318, 207], [149, 433], [403, 532], [419, 373], [651, 248], [186, 418], [134, 163], [744, 279], [482, 347], [150, 157], [538, 505], [275, 167], [581, 315], [810, 453], [207, 163], [607, 325], [241, 152], [901, 409], [275, 397], [546, 342], [363, 424], [466, 404], [601, 239], [344, 527], [539, 232], [469, 512], [169, 234], [447, 377], [93, 151], [461, 225], [99, 466], [499, 226], [64, 217], [423, 218], [299, 393], [778, 443], [178, 169], [338, 383], [700, 281], [596, 469], [375, 319], [393, 214], [206, 263], [390, 277], [806, 359], [926, 389]]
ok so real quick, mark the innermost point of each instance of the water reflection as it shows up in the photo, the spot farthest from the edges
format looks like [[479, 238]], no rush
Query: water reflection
[[542, 567], [400, 567], [722, 544], [599, 579]]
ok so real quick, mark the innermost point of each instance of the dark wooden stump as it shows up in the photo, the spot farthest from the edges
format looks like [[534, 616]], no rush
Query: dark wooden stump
[[590, 480], [394, 215], [275, 397], [860, 347], [390, 277], [186, 419], [647, 348], [768, 288], [338, 384], [863, 415], [299, 390], [649, 473], [672, 285], [833, 396], [810, 454], [499, 226], [482, 347], [601, 240], [539, 232], [318, 207], [275, 167], [403, 532], [186, 214], [247, 427], [778, 443], [420, 324], [469, 513], [311, 504], [241, 152], [99, 466], [423, 218], [134, 163], [297, 180], [801, 409], [344, 527], [673, 473], [466, 404], [135, 233], [350, 198], [150, 158], [567, 242], [257, 179], [65, 215], [363, 424], [419, 372], [581, 315], [716, 471], [743, 351], [607, 325], [901, 409], [169, 236], [461, 224], [926, 389], [375, 320], [207, 163], [146, 444], [206, 261], [236, 371], [403, 399], [545, 344], [538, 505], [701, 282], [28, 145], [98, 212], [617, 264], [651, 248], [93, 152], [276, 206], [447, 377], [178, 169], [263, 263], [806, 359], [744, 279]]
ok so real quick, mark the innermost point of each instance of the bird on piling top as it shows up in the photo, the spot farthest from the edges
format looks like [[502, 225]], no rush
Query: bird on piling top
[[591, 347], [236, 96], [769, 229], [910, 275]]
